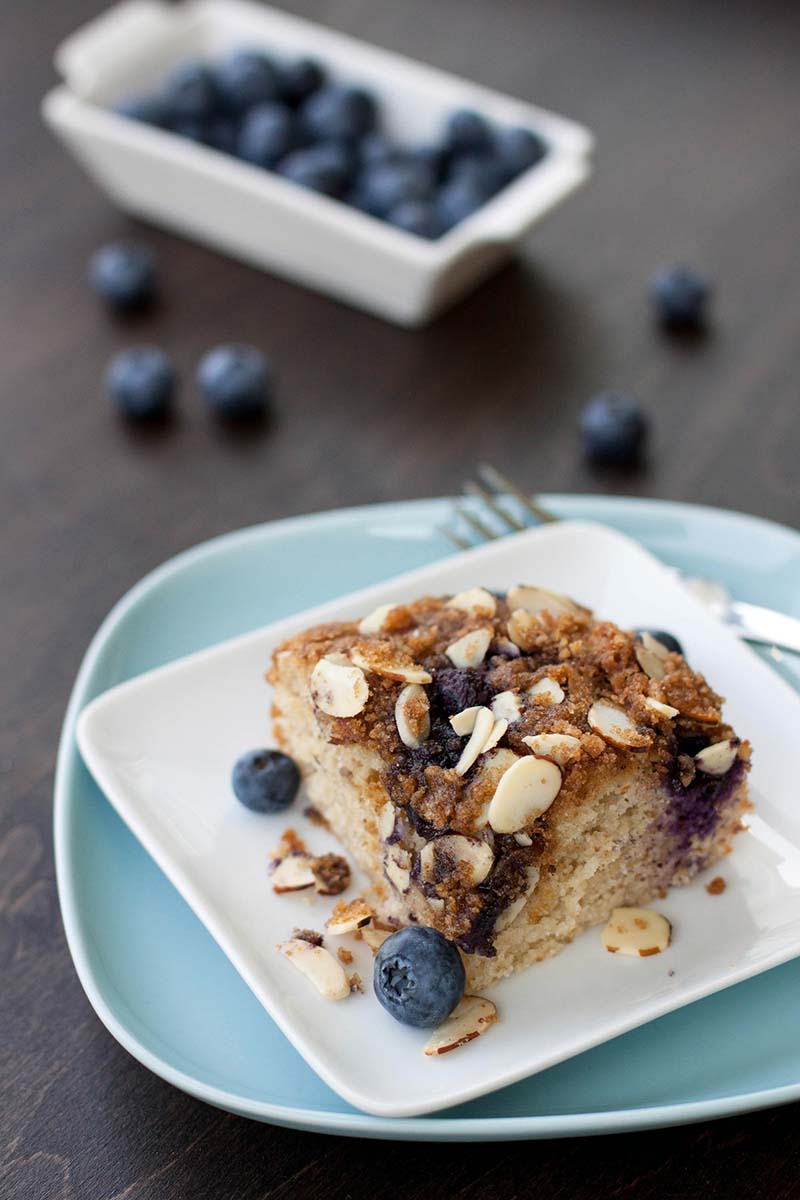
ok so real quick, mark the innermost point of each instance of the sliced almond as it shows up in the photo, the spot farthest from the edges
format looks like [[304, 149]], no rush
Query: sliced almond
[[651, 663], [338, 690], [486, 777], [437, 858], [476, 600], [614, 725], [471, 1017], [507, 647], [379, 659], [347, 917], [499, 730], [464, 722], [412, 714], [663, 710], [293, 874], [523, 629], [484, 724], [318, 965], [510, 914], [398, 868], [546, 691], [507, 706], [558, 746], [719, 758], [535, 600], [638, 932], [375, 621], [523, 839], [470, 650], [654, 645], [386, 818], [524, 792], [375, 937]]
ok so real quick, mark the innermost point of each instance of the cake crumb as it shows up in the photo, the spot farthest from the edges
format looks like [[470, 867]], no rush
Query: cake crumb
[[716, 887], [308, 935], [290, 843], [331, 873], [355, 983], [313, 815], [344, 956]]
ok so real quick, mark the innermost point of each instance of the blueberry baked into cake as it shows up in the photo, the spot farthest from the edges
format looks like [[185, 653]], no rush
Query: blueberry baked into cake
[[508, 769]]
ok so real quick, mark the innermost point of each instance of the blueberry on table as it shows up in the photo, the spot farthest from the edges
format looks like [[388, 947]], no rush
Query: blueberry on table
[[299, 79], [236, 381], [382, 187], [151, 110], [244, 79], [141, 382], [415, 216], [667, 639], [190, 92], [518, 148], [419, 976], [680, 296], [124, 275], [468, 130], [325, 168], [267, 134], [613, 429], [338, 112], [265, 781]]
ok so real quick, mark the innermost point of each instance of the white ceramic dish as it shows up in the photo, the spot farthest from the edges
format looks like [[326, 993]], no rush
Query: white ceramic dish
[[264, 219], [161, 747]]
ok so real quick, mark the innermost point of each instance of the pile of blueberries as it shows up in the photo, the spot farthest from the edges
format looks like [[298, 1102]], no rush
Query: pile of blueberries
[[324, 135]]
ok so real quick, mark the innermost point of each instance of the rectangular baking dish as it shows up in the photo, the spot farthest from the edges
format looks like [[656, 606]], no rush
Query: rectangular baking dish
[[256, 215]]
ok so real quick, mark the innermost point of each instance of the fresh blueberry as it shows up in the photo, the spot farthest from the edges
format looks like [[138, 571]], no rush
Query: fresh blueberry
[[419, 976], [245, 79], [190, 92], [150, 109], [458, 199], [336, 112], [265, 781], [222, 133], [457, 688], [613, 428], [141, 382], [486, 171], [299, 79], [267, 134], [124, 274], [415, 216], [432, 157], [382, 187], [375, 148], [468, 130], [325, 168], [667, 639], [518, 149], [194, 129], [680, 296], [236, 381]]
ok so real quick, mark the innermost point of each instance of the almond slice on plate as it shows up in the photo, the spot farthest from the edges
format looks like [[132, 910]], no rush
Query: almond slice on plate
[[614, 725], [337, 689], [718, 758], [638, 932], [524, 793], [471, 1017], [482, 729], [470, 650], [293, 874], [476, 600], [346, 918], [318, 965], [412, 714]]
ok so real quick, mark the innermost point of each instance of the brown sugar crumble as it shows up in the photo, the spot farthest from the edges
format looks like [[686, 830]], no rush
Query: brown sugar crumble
[[331, 873], [308, 935], [716, 887], [344, 956]]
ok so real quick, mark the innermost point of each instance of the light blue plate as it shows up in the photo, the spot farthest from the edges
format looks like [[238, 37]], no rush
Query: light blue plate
[[166, 991]]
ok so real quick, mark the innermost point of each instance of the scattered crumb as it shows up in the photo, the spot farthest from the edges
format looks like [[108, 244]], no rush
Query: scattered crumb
[[290, 843], [332, 874], [358, 935], [355, 983], [308, 935], [671, 971], [344, 956], [315, 817], [716, 887]]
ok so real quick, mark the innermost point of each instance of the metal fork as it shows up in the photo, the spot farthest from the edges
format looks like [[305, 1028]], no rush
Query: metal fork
[[493, 519]]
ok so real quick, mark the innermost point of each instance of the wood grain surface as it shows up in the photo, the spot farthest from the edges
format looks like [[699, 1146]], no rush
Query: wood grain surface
[[695, 107]]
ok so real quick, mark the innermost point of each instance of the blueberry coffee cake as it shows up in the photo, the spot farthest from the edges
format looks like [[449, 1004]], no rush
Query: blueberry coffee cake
[[508, 769]]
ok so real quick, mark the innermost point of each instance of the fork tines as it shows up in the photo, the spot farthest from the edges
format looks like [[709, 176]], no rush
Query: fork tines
[[491, 500]]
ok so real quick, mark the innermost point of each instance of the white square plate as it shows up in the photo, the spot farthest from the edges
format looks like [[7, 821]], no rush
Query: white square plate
[[161, 746]]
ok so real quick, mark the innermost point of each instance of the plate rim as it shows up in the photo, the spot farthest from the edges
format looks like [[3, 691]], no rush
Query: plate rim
[[431, 1127]]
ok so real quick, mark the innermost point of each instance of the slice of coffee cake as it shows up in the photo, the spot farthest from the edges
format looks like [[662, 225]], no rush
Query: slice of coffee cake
[[508, 769]]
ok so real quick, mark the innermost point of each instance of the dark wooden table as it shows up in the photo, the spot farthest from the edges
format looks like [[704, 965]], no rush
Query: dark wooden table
[[696, 113]]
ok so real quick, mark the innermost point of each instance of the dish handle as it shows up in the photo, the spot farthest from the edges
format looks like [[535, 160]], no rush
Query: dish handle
[[129, 27]]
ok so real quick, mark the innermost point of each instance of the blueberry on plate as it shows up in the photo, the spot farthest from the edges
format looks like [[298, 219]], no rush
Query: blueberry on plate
[[468, 130], [337, 111], [680, 296], [141, 382], [383, 186], [265, 781], [149, 109], [667, 639], [326, 167], [244, 79], [267, 134], [419, 976], [236, 381], [458, 199], [518, 148], [613, 429], [299, 79], [190, 92], [124, 275], [415, 216]]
